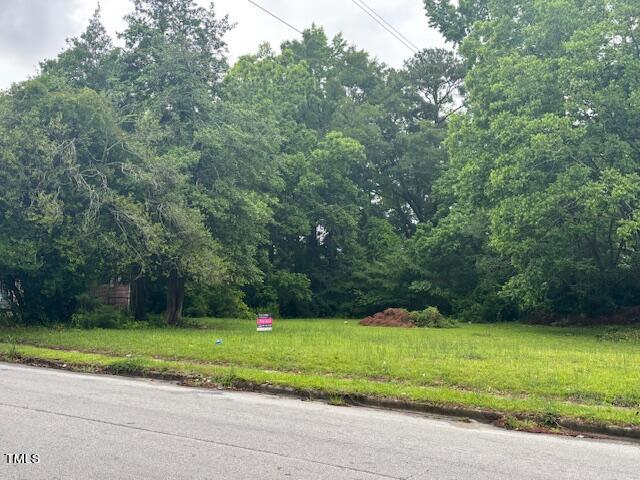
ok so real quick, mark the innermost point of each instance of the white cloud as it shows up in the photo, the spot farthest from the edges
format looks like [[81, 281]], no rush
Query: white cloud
[[31, 30]]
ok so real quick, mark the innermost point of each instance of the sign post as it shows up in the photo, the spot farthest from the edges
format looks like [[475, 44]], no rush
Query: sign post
[[264, 322]]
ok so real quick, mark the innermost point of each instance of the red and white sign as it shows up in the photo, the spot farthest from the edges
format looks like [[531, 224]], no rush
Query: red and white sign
[[264, 322]]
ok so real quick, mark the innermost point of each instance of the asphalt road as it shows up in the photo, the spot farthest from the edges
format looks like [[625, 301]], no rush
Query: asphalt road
[[98, 427]]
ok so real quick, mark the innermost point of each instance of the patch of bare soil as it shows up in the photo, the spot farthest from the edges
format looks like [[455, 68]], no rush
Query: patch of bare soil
[[391, 317]]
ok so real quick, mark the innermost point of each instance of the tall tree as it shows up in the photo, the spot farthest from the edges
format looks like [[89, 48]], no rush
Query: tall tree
[[316, 86], [546, 161], [455, 20], [426, 93], [89, 60], [64, 209], [172, 63], [170, 68]]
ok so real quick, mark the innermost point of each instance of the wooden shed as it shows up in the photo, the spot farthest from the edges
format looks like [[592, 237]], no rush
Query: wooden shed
[[114, 294]]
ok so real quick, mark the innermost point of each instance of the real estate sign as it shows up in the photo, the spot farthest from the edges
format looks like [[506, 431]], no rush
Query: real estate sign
[[264, 322]]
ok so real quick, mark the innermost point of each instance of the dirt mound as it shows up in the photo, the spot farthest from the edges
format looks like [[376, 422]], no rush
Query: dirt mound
[[391, 317]]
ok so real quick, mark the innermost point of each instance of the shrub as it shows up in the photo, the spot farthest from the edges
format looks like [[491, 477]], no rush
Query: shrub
[[216, 301], [293, 292], [431, 317], [87, 302], [8, 319], [103, 316]]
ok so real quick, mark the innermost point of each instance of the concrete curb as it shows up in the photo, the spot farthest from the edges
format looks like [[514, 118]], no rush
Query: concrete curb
[[483, 416], [608, 430], [572, 427]]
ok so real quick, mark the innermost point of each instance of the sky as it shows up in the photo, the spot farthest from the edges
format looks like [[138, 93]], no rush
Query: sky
[[32, 30]]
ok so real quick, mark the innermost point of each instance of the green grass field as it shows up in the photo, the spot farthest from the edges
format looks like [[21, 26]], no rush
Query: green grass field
[[570, 372]]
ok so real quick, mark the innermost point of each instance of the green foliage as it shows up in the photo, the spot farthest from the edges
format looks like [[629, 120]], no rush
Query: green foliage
[[217, 301], [11, 353], [542, 182], [291, 293], [336, 399], [268, 180], [431, 317], [61, 150], [491, 182], [618, 334], [361, 147], [455, 20], [129, 366], [89, 60], [7, 319], [271, 308], [229, 379], [102, 316], [170, 66], [514, 423]]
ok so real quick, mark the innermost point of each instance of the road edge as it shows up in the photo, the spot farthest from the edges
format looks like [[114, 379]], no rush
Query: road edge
[[561, 426]]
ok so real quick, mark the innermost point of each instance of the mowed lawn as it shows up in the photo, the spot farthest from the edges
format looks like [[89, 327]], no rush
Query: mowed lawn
[[513, 367]]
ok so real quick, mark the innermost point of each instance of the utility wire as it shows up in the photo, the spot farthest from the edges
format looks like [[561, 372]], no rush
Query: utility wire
[[391, 26], [396, 36], [274, 16], [366, 9]]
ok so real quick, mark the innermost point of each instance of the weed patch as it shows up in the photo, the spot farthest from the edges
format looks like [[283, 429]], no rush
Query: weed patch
[[627, 335], [512, 423], [336, 400], [128, 366]]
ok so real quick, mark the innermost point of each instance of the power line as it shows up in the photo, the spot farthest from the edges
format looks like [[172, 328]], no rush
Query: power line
[[397, 37], [383, 23], [275, 16], [392, 27]]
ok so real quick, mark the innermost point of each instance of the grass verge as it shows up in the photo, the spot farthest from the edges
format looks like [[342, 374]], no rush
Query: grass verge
[[511, 411]]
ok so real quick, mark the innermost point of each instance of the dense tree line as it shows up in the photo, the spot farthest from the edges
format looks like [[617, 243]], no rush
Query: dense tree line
[[493, 180], [543, 175]]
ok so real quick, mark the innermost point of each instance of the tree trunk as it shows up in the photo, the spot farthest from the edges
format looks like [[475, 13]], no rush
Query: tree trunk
[[139, 298], [175, 298]]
